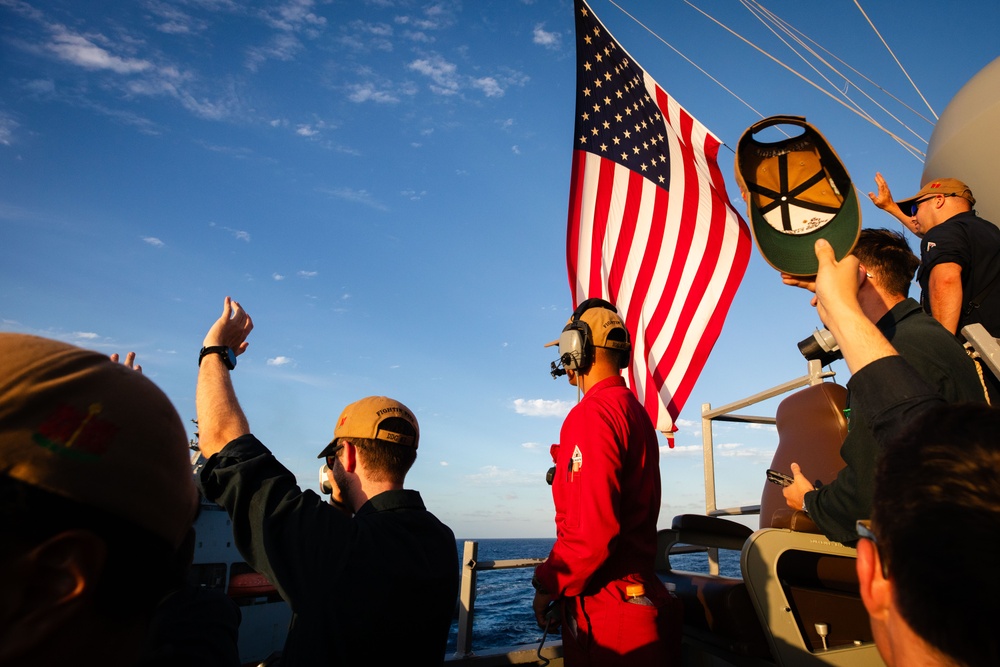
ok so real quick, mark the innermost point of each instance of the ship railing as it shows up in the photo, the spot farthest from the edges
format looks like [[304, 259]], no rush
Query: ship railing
[[815, 375], [471, 566]]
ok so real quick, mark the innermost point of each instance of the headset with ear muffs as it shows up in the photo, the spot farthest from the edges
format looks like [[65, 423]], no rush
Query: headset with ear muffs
[[576, 342]]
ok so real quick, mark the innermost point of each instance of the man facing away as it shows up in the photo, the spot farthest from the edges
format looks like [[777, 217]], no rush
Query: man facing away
[[606, 489], [936, 508], [96, 504], [887, 264], [372, 576]]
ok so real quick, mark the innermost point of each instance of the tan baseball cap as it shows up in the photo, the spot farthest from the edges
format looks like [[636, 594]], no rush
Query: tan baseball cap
[[602, 322], [364, 419], [950, 187], [76, 424]]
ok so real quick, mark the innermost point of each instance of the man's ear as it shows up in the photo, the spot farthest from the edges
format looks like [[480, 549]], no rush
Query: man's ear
[[876, 590], [46, 587], [350, 457]]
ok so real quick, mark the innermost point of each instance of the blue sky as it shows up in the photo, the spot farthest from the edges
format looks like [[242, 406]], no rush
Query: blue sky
[[383, 184]]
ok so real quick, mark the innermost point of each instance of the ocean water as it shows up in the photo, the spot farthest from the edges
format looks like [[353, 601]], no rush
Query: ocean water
[[503, 615]]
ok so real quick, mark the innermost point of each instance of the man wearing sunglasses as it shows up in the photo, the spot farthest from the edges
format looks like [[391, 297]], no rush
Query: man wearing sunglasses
[[374, 564], [959, 271], [960, 252]]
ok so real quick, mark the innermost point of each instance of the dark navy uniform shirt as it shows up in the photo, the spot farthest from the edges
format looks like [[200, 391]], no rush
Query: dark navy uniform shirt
[[378, 587]]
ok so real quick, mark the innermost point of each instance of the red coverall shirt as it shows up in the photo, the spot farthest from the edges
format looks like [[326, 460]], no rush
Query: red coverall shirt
[[607, 498]]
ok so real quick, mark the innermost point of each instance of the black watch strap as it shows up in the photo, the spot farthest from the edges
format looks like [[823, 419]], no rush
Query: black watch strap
[[228, 358]]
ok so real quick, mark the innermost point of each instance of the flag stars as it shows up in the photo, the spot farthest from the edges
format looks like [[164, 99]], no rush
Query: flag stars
[[601, 127]]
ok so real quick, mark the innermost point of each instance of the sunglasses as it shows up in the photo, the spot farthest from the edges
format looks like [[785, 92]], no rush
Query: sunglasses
[[332, 456], [865, 532], [915, 205]]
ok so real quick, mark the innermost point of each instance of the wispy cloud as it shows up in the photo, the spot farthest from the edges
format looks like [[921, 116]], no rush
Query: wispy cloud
[[355, 196], [116, 54], [153, 241], [7, 127], [539, 407], [443, 74], [307, 274], [282, 47], [489, 86], [295, 15], [236, 233], [277, 276], [172, 20], [380, 92], [279, 361], [550, 40], [84, 52]]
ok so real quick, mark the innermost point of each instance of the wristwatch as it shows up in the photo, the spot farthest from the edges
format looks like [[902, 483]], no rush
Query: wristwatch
[[227, 354]]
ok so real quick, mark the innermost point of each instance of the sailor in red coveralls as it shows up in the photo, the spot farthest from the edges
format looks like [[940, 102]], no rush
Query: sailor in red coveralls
[[606, 489]]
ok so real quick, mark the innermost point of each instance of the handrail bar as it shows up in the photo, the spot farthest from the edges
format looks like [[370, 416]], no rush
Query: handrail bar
[[467, 590], [815, 375]]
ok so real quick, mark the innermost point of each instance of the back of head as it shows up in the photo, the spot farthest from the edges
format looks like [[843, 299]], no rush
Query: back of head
[[937, 518], [96, 502], [886, 254], [594, 332], [75, 424], [385, 431]]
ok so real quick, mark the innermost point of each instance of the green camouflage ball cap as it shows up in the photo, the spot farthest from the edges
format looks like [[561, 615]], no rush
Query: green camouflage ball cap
[[797, 191]]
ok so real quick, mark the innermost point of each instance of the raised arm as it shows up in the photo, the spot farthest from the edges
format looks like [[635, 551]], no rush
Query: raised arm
[[836, 302], [220, 417], [883, 199]]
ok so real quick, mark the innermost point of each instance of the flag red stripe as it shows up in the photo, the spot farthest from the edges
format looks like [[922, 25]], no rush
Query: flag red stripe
[[576, 196], [650, 225]]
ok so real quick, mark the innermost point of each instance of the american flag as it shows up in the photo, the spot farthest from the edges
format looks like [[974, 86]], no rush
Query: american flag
[[650, 227]]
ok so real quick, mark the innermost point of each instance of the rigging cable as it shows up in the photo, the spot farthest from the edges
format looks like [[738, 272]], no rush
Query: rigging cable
[[897, 138], [788, 28], [913, 150], [903, 69], [772, 22]]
